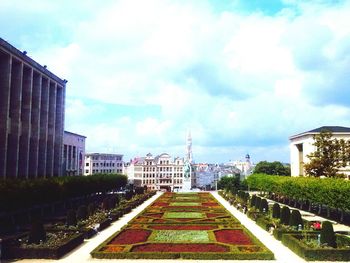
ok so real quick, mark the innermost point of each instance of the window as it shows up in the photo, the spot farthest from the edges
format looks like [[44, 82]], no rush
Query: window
[[86, 171], [87, 164]]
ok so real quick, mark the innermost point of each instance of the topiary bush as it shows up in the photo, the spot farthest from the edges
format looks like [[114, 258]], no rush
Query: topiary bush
[[263, 206], [253, 200], [71, 218], [37, 232], [257, 202], [106, 203], [285, 215], [91, 209], [327, 235], [82, 212], [276, 210], [295, 219]]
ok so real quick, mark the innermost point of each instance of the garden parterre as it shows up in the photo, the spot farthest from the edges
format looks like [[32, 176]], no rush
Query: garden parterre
[[183, 225]]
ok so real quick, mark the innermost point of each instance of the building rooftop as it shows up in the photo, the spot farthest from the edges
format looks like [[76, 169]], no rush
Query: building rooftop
[[74, 134], [333, 129]]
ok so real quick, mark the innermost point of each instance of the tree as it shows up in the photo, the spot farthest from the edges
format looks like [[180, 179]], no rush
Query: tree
[[327, 235], [330, 155], [228, 183], [272, 168]]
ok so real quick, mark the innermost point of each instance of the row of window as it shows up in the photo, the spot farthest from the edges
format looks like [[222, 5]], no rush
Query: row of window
[[104, 164]]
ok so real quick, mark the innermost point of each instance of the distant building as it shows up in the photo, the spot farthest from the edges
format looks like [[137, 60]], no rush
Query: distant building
[[96, 163], [73, 153], [301, 145], [245, 168], [157, 172], [32, 103]]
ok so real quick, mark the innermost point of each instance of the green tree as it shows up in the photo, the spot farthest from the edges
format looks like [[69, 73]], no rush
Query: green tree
[[330, 155], [272, 168], [228, 183]]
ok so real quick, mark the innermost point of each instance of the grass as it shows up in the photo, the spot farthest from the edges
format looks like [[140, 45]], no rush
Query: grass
[[173, 215], [180, 236]]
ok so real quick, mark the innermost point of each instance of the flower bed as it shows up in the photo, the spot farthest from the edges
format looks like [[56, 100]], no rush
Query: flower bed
[[170, 228]]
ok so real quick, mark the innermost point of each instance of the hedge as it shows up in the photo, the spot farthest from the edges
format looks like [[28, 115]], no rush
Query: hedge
[[325, 254], [331, 192], [18, 193]]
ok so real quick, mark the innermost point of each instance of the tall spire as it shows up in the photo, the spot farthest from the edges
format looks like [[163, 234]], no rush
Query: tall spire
[[189, 147]]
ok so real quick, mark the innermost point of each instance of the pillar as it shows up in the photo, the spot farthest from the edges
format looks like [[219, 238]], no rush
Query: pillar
[[59, 129], [15, 117], [24, 138], [44, 113], [35, 126], [5, 69], [51, 129]]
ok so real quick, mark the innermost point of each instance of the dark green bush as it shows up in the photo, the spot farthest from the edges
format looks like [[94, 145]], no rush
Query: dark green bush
[[129, 195], [327, 235], [71, 219], [139, 190], [276, 210], [253, 200], [295, 219], [285, 215], [91, 209], [257, 202], [37, 232], [263, 206], [82, 213]]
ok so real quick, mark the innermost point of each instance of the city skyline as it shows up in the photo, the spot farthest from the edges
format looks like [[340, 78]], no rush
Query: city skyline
[[242, 77]]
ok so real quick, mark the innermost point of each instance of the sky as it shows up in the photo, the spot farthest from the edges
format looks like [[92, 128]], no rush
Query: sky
[[241, 76]]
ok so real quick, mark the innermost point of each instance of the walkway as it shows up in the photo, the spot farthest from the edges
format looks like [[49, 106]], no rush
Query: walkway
[[82, 253]]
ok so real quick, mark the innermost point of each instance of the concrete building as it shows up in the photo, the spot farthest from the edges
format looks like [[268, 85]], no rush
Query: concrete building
[[32, 103], [301, 145], [157, 172], [245, 167], [96, 163], [73, 153]]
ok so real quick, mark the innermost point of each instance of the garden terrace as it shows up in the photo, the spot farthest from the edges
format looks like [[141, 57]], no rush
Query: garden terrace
[[183, 225]]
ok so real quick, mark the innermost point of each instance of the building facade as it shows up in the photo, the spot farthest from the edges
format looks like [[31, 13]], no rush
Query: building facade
[[96, 163], [32, 103], [73, 153], [301, 145], [159, 172]]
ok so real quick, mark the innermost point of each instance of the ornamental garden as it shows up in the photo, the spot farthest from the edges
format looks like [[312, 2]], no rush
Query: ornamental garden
[[183, 225]]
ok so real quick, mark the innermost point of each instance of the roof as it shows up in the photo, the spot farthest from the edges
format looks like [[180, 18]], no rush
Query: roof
[[4, 45], [333, 129], [68, 132]]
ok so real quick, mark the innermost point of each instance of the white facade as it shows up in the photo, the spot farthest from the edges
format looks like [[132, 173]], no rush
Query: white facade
[[73, 153], [96, 163], [301, 145], [157, 172]]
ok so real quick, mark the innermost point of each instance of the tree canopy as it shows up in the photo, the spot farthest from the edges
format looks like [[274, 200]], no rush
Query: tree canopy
[[331, 154], [228, 182], [272, 168]]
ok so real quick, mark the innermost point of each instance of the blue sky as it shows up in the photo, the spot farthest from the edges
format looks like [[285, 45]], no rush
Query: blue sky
[[243, 76]]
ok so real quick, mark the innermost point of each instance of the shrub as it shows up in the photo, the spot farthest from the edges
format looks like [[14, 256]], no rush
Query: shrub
[[71, 218], [82, 212], [285, 215], [327, 234], [37, 232], [264, 206], [91, 209], [106, 203], [129, 194], [253, 200], [295, 219], [139, 190], [276, 210], [257, 202]]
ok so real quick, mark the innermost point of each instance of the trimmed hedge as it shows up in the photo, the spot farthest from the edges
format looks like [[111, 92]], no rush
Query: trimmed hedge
[[292, 241], [18, 193]]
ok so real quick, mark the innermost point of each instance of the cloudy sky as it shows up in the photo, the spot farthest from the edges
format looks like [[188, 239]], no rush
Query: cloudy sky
[[242, 75]]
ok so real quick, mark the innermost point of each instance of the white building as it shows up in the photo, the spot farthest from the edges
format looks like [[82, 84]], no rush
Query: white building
[[96, 163], [301, 145], [157, 172], [73, 153], [245, 168]]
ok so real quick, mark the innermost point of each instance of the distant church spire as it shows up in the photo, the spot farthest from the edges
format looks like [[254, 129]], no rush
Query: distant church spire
[[189, 148]]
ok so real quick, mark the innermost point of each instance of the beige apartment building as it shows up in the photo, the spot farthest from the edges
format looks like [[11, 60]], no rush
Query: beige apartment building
[[73, 153]]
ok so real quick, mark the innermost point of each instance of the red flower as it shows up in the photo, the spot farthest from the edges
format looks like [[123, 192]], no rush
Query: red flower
[[232, 236], [180, 248], [131, 236]]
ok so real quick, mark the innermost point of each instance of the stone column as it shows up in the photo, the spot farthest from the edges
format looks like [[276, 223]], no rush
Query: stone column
[[35, 127], [15, 117], [51, 129], [44, 113], [59, 129], [5, 68], [26, 107]]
